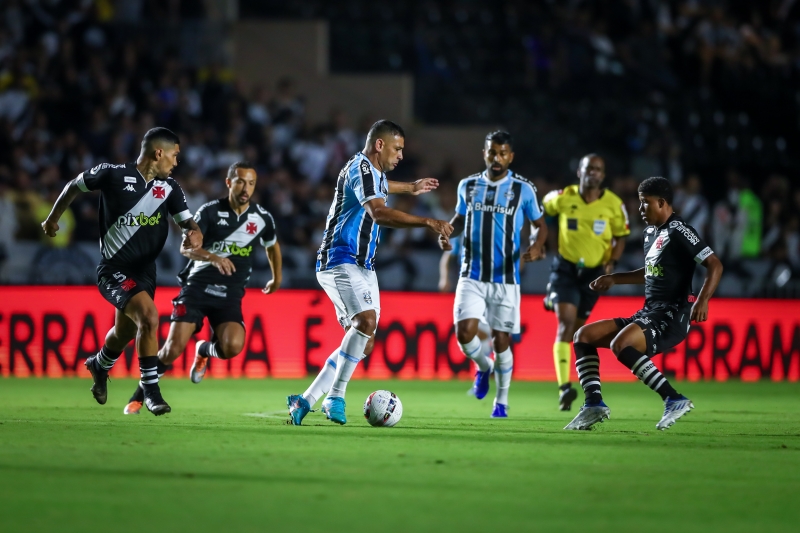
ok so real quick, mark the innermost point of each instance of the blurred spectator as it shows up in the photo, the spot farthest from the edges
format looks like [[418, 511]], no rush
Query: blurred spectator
[[737, 222], [692, 205]]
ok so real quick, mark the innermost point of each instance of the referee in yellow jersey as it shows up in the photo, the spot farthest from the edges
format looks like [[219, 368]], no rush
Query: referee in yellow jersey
[[592, 226]]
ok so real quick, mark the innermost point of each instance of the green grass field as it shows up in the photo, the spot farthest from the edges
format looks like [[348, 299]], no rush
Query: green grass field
[[225, 460]]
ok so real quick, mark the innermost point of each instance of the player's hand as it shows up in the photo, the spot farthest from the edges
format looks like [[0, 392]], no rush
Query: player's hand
[[608, 268], [444, 243], [602, 284], [272, 286], [192, 240], [699, 311], [50, 227], [440, 226], [534, 253], [445, 285], [224, 265], [424, 185]]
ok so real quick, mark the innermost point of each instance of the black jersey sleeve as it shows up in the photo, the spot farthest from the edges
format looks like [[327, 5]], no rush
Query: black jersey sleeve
[[269, 234], [95, 178], [691, 243], [203, 218], [176, 203]]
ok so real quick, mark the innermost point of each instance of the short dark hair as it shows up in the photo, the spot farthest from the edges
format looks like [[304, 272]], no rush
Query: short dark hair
[[501, 137], [158, 135], [239, 164], [384, 127], [658, 187]]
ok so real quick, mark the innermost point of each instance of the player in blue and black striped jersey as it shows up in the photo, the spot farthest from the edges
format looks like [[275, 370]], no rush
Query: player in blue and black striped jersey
[[491, 212]]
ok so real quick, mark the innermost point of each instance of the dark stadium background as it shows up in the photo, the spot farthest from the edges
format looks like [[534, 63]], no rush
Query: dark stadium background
[[703, 92]]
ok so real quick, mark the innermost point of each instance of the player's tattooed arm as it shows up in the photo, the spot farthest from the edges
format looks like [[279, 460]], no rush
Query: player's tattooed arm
[[276, 265], [536, 250], [713, 274], [416, 188], [457, 222], [67, 196], [603, 283], [192, 236]]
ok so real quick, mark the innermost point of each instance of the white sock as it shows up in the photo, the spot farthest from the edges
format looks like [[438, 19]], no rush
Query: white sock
[[350, 354], [322, 383], [486, 347], [473, 350], [502, 374]]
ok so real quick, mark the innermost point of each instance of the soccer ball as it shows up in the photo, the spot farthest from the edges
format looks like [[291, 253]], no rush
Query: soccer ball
[[383, 408]]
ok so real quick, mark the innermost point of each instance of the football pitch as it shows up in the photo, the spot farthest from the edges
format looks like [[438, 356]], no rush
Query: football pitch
[[225, 460]]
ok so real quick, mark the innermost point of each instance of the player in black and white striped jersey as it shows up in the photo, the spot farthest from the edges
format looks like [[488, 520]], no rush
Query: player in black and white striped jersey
[[135, 199], [213, 282]]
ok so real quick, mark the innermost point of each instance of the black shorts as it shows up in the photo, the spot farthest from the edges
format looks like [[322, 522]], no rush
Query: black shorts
[[193, 305], [663, 326], [119, 284], [570, 285]]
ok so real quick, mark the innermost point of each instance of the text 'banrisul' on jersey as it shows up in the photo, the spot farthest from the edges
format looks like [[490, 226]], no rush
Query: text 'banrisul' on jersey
[[351, 236], [495, 214]]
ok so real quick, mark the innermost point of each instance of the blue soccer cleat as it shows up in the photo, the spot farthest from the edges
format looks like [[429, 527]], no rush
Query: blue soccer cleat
[[481, 386], [500, 410], [673, 410], [298, 408], [334, 410]]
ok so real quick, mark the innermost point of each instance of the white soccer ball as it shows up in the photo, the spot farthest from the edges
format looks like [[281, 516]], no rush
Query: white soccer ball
[[383, 408]]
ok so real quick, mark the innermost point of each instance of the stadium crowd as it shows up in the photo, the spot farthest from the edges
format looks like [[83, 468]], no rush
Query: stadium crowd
[[74, 92]]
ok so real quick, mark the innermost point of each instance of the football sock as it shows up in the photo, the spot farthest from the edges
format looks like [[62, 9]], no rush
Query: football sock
[[561, 357], [149, 369], [211, 349], [486, 347], [161, 368], [322, 383], [644, 369], [473, 350], [587, 363], [350, 354], [138, 396], [502, 374], [106, 358]]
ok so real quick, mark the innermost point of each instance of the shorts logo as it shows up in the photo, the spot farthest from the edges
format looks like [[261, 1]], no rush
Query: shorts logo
[[251, 228], [691, 298], [368, 297], [127, 285], [342, 321], [159, 192], [508, 324], [179, 310], [669, 314], [217, 290]]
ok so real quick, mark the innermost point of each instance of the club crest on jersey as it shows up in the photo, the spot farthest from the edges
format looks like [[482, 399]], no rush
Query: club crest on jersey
[[251, 228], [490, 195], [159, 192], [659, 242], [141, 219], [368, 297], [509, 195]]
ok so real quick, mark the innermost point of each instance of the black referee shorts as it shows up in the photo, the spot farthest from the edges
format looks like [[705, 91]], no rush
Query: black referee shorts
[[119, 284], [193, 305], [569, 285], [664, 326]]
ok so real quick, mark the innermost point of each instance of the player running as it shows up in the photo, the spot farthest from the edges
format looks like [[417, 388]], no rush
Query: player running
[[592, 226], [671, 250], [213, 282], [346, 260], [135, 199], [490, 211]]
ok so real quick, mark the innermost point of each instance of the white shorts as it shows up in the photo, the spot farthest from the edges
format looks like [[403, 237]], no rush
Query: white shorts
[[498, 302], [352, 290]]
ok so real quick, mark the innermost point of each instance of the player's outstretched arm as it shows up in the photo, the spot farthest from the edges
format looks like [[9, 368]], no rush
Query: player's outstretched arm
[[458, 226], [384, 215], [713, 274], [603, 283], [276, 265], [416, 188], [67, 196], [444, 272], [223, 264]]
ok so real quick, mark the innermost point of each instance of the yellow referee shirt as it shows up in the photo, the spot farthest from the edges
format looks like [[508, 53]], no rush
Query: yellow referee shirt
[[585, 230]]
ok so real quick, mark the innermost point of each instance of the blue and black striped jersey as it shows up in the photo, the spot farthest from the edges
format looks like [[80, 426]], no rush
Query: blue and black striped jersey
[[495, 213], [351, 236]]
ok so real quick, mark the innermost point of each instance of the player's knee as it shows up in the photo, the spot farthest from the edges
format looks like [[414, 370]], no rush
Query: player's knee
[[365, 322], [500, 342], [618, 344], [465, 331], [232, 348], [147, 321], [566, 330], [582, 335], [170, 352]]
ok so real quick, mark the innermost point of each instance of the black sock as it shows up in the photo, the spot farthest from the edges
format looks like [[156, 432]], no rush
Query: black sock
[[162, 368], [644, 369], [211, 349], [587, 363], [149, 368], [107, 357], [138, 396], [565, 386]]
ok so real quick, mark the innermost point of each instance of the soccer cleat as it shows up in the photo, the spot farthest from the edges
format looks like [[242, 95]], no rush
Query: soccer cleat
[[548, 303], [590, 415], [500, 410], [566, 397], [298, 408], [155, 403], [200, 364], [132, 408], [334, 410], [481, 386], [100, 376], [673, 410]]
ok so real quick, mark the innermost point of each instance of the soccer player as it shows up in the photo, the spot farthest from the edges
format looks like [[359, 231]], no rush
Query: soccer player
[[346, 260], [491, 209], [672, 248], [135, 199], [592, 226], [213, 281]]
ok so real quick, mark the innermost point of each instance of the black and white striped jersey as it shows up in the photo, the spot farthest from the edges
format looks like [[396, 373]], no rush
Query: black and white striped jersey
[[133, 212], [230, 235]]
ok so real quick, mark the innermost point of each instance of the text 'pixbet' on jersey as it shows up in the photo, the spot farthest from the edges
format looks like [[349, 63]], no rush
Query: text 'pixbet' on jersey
[[232, 248], [138, 220]]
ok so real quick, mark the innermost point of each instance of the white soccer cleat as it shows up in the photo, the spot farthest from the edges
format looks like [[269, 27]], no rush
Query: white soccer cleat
[[673, 410], [200, 364], [589, 415]]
